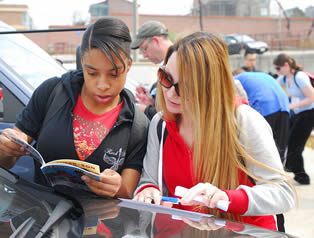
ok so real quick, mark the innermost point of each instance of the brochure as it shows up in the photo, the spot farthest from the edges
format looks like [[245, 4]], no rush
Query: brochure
[[66, 172]]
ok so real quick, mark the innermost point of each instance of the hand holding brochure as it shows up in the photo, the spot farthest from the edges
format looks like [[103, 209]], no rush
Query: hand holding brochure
[[63, 171]]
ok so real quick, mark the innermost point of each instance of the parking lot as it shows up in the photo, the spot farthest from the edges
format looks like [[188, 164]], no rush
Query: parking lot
[[300, 221]]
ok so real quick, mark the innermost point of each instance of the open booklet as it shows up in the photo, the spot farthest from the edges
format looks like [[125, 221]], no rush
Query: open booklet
[[66, 172]]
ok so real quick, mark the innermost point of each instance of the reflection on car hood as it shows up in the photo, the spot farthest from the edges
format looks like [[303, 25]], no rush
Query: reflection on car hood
[[22, 201]]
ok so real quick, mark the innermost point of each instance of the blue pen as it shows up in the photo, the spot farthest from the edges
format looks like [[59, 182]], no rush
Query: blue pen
[[170, 199]]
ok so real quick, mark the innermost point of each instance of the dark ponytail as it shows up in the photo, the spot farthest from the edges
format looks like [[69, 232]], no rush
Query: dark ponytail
[[281, 59]]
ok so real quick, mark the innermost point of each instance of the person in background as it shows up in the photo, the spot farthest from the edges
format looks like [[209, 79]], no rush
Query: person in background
[[299, 87], [249, 61], [270, 100], [78, 57], [240, 90], [94, 125], [153, 41], [212, 144]]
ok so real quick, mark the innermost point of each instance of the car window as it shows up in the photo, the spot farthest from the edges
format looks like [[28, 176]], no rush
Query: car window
[[28, 60], [246, 38], [10, 106], [229, 39]]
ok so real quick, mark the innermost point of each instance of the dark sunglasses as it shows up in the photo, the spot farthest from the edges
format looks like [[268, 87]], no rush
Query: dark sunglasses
[[166, 80], [277, 68]]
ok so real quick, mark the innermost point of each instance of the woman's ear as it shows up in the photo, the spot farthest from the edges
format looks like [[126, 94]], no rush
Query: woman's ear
[[129, 64]]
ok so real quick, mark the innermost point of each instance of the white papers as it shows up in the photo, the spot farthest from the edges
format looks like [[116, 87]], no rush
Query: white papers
[[195, 216]]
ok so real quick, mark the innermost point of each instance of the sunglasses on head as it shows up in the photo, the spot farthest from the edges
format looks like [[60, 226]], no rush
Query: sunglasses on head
[[166, 80], [277, 68]]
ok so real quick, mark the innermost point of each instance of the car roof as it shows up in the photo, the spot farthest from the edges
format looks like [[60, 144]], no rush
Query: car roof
[[24, 60]]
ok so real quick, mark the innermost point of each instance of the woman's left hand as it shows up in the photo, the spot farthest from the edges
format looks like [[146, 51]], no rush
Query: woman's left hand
[[109, 184], [210, 195]]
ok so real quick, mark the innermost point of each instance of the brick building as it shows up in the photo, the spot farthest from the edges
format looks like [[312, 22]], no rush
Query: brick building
[[247, 8], [270, 29], [15, 16]]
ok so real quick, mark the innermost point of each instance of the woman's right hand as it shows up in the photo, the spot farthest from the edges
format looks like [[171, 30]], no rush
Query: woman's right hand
[[9, 150]]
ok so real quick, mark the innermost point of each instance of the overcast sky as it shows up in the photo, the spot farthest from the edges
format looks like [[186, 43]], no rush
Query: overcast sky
[[60, 12]]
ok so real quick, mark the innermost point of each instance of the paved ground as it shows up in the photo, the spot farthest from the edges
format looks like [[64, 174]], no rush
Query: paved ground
[[300, 221]]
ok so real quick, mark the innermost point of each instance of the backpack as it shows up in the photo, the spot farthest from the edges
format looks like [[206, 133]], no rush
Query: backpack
[[162, 133], [59, 97], [311, 77]]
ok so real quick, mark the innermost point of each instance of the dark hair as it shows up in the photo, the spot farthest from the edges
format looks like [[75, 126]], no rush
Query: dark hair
[[248, 51], [111, 36], [281, 59]]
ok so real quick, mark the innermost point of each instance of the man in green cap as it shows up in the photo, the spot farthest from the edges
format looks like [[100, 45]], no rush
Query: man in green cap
[[153, 41]]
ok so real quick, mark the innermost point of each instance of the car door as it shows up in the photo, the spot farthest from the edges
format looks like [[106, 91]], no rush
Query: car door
[[23, 67]]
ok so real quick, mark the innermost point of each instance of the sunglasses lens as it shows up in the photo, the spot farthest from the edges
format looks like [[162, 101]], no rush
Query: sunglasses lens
[[164, 78], [277, 68]]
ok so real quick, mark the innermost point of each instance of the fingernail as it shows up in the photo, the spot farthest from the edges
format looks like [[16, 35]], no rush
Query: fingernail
[[83, 178]]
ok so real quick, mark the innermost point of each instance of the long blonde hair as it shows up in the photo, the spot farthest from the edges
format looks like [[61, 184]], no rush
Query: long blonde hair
[[208, 97]]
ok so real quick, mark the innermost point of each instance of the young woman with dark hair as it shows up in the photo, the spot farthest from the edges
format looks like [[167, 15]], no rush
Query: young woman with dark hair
[[299, 87], [95, 124]]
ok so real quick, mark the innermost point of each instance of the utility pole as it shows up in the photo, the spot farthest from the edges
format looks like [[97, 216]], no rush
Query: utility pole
[[135, 26], [282, 10], [201, 14], [285, 14]]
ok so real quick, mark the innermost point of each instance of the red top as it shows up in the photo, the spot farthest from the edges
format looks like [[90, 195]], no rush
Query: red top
[[178, 171], [90, 129]]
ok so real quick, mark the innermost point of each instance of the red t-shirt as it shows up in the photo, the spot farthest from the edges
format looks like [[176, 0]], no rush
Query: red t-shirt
[[90, 129]]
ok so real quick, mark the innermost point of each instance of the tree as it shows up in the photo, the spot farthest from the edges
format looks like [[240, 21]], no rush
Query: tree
[[297, 12], [78, 19]]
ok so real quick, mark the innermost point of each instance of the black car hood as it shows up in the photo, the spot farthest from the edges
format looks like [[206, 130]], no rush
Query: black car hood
[[24, 205]]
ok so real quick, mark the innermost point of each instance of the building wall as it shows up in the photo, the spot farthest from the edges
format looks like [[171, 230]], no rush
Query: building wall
[[58, 42], [121, 6], [13, 15], [271, 30], [224, 24], [261, 28], [232, 7], [309, 11]]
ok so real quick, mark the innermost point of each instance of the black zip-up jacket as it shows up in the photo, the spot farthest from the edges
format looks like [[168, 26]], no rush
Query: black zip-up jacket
[[55, 140]]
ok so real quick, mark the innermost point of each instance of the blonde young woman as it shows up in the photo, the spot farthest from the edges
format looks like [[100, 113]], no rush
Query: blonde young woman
[[213, 145]]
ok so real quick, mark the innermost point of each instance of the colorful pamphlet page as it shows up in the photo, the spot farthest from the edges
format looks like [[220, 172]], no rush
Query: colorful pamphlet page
[[65, 172]]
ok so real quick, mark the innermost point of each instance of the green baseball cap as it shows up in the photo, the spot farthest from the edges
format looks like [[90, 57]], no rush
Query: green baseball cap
[[147, 30]]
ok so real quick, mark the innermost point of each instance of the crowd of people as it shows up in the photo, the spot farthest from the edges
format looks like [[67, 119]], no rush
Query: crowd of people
[[203, 135]]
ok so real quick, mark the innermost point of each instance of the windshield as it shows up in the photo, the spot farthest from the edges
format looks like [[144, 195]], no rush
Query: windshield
[[28, 60], [244, 38]]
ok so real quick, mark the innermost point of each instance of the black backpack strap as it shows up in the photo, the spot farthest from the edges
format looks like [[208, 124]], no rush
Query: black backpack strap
[[295, 81], [56, 100], [280, 218], [138, 131], [159, 131], [284, 79], [281, 222]]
